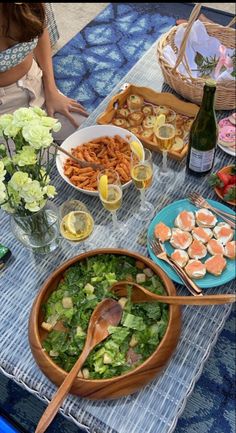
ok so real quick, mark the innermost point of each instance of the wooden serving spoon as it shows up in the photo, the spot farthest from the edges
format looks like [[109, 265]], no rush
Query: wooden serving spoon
[[140, 294], [82, 163], [108, 312]]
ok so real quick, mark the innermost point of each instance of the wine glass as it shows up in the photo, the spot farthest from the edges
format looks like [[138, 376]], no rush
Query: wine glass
[[110, 194], [76, 222], [165, 136], [142, 176]]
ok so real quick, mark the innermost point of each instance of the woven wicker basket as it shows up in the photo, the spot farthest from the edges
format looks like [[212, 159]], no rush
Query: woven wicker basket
[[187, 86]]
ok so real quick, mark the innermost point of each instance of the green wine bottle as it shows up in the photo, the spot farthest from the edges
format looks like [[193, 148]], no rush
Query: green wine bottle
[[203, 134], [5, 254]]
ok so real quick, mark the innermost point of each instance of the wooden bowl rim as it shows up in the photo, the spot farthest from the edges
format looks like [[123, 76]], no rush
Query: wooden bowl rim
[[33, 319], [224, 170]]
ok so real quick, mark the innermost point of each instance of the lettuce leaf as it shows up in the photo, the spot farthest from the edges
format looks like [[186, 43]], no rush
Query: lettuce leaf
[[133, 322]]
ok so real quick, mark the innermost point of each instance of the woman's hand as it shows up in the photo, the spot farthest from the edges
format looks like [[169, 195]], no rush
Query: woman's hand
[[56, 102]]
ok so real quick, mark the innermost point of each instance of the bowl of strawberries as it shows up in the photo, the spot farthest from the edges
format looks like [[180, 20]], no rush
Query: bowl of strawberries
[[224, 183]]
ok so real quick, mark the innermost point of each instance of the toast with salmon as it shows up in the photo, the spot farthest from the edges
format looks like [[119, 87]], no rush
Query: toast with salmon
[[216, 264]]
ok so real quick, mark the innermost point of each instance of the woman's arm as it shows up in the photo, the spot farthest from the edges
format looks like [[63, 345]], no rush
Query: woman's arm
[[43, 56], [55, 101]]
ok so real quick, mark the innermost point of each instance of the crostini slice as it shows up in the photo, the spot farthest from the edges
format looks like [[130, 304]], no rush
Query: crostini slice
[[216, 264], [205, 218], [162, 232], [185, 220], [202, 234], [195, 269], [197, 250], [180, 239]]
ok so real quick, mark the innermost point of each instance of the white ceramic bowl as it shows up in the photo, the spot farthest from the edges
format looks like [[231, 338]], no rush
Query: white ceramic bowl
[[84, 135]]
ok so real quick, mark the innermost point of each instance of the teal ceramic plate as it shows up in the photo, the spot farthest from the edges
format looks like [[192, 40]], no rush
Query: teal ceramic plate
[[167, 215]]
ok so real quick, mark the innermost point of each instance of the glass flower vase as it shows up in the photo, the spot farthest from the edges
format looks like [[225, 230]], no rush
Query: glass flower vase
[[38, 232]]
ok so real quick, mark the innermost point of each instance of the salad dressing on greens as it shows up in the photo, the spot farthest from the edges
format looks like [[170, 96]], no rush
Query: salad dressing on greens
[[68, 310]]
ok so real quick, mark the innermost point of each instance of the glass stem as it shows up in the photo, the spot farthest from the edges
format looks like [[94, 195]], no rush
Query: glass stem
[[142, 196], [115, 221], [164, 161]]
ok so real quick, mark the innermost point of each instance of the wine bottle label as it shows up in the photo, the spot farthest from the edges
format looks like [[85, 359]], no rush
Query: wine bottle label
[[201, 161]]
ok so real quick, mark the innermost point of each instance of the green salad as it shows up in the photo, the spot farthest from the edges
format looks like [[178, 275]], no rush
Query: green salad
[[68, 310]]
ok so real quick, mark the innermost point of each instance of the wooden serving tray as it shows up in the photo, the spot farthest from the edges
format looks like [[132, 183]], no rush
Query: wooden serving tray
[[150, 96]]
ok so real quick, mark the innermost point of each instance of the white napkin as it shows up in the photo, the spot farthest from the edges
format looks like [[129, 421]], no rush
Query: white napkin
[[198, 41]]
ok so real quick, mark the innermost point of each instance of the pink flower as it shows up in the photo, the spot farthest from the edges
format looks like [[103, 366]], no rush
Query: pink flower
[[224, 60]]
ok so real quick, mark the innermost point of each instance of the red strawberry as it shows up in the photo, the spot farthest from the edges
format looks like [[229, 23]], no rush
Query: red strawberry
[[221, 190], [225, 178], [233, 179]]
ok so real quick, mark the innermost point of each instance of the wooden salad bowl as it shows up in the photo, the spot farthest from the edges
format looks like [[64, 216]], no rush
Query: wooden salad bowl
[[118, 386]]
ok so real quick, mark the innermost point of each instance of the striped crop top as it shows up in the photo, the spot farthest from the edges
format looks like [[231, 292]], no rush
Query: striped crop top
[[14, 55]]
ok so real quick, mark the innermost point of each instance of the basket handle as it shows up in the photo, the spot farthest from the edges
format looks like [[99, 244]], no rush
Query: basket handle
[[232, 22], [195, 12]]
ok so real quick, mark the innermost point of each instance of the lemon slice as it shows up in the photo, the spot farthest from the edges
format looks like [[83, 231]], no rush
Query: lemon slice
[[77, 225], [103, 186], [160, 120], [137, 149], [73, 222]]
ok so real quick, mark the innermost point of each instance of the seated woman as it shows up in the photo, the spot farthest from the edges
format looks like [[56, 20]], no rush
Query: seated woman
[[26, 70]]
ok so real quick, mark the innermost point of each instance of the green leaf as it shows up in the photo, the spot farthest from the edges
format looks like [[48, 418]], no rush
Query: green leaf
[[3, 151], [153, 310], [133, 322], [199, 59], [231, 194], [233, 170], [215, 181], [119, 334]]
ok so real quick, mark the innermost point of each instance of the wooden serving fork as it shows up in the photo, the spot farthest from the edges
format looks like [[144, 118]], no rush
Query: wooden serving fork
[[159, 252]]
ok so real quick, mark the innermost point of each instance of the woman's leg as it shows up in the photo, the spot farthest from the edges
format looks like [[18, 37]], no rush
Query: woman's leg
[[11, 98], [66, 126]]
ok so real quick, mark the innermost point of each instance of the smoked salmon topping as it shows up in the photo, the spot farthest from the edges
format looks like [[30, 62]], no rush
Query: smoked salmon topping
[[205, 218], [162, 232], [185, 220], [230, 250], [180, 239], [223, 232], [215, 247], [195, 269], [216, 264], [180, 257], [202, 234], [197, 250]]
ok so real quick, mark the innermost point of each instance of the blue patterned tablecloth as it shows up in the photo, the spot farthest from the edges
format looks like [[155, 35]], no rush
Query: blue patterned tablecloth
[[155, 408]]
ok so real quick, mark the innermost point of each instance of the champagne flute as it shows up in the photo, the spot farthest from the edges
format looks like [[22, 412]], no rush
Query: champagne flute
[[165, 135], [142, 176], [110, 194], [76, 222]]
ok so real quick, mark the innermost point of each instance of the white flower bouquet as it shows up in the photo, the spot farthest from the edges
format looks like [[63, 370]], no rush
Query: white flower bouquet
[[26, 160], [25, 163]]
